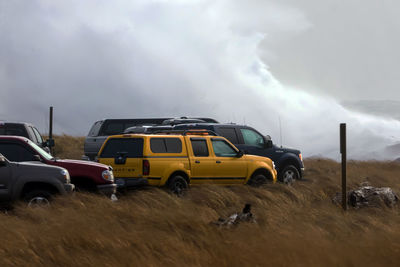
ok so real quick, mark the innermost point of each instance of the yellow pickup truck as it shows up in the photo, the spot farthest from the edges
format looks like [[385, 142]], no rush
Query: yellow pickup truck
[[176, 159]]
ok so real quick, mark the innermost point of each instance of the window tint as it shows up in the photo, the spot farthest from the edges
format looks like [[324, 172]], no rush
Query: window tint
[[131, 148], [200, 148], [15, 152], [165, 145], [94, 131], [223, 149], [230, 134], [253, 138]]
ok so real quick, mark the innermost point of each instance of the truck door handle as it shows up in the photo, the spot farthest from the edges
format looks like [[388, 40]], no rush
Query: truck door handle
[[197, 161], [218, 161]]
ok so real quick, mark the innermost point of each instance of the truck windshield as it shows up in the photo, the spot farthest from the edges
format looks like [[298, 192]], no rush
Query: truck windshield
[[40, 150]]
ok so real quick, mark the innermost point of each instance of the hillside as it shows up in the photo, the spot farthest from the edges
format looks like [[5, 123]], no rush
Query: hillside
[[295, 225]]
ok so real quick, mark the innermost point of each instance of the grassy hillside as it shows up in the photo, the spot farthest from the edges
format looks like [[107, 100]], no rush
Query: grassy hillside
[[296, 226]]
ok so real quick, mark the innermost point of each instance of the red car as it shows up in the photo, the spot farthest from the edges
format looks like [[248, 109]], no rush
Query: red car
[[85, 175]]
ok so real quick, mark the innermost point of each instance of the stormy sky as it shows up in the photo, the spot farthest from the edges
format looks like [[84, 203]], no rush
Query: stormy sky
[[253, 62]]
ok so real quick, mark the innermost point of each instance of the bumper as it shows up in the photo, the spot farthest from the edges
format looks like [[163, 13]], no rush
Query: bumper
[[107, 189], [69, 188], [302, 172], [130, 182]]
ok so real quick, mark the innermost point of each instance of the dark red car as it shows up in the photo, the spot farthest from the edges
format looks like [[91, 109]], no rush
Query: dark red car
[[85, 175]]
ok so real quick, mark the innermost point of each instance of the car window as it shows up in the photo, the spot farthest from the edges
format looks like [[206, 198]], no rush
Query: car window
[[165, 145], [222, 148], [230, 134], [19, 130], [129, 147], [40, 151], [200, 148], [252, 138], [111, 128], [32, 134], [38, 135], [94, 131], [15, 152]]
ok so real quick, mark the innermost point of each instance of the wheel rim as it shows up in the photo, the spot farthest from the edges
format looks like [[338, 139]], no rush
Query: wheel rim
[[178, 187], [38, 202], [289, 176]]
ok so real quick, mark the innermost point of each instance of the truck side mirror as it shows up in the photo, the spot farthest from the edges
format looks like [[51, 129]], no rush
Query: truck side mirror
[[37, 158], [268, 142], [49, 143], [3, 161], [239, 154]]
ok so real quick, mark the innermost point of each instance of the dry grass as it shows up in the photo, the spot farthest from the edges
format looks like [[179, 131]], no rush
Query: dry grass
[[68, 147], [296, 226]]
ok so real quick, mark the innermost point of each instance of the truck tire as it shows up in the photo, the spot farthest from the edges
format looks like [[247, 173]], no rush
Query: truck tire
[[38, 198], [288, 174], [257, 180], [177, 185]]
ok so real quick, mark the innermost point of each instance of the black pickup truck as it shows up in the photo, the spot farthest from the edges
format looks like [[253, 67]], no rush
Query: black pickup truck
[[288, 162]]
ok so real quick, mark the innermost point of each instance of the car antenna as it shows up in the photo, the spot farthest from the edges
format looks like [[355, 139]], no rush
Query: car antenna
[[280, 129]]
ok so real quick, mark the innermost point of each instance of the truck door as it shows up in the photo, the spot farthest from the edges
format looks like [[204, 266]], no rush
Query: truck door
[[201, 164], [254, 143], [228, 169], [5, 178]]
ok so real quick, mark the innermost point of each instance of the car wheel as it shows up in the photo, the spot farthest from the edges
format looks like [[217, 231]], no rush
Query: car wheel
[[258, 180], [289, 174], [177, 185], [38, 198]]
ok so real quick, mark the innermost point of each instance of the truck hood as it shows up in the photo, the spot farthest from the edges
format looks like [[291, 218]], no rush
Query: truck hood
[[81, 163], [37, 165], [255, 157], [287, 150]]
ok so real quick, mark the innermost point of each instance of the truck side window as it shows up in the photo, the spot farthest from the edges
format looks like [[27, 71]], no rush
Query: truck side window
[[32, 134], [15, 152], [223, 149], [252, 138], [16, 130], [38, 136], [165, 145], [94, 131], [131, 148], [230, 134], [200, 148]]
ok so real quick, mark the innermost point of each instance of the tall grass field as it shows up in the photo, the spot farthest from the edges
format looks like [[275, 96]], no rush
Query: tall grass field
[[295, 225]]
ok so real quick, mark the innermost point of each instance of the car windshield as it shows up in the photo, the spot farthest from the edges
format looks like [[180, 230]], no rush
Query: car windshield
[[41, 151]]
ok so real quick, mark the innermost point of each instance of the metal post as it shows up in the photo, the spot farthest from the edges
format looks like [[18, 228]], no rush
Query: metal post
[[51, 131], [344, 161]]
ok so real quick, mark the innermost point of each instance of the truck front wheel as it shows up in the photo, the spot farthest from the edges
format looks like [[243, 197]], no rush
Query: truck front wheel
[[289, 174], [37, 198], [257, 180]]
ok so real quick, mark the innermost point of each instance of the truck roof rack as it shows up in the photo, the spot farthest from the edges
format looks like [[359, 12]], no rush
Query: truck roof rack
[[186, 132]]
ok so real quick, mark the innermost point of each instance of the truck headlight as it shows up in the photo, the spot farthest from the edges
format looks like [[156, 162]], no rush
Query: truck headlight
[[65, 174], [108, 175], [273, 164]]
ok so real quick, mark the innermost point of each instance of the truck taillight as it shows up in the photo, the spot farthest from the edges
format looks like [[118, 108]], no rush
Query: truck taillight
[[146, 167]]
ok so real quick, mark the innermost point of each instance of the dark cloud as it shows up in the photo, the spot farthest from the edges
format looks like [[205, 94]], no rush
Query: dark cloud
[[97, 59]]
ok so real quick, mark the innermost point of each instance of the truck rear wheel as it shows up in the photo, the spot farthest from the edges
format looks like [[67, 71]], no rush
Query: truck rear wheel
[[38, 198], [177, 185], [257, 180]]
